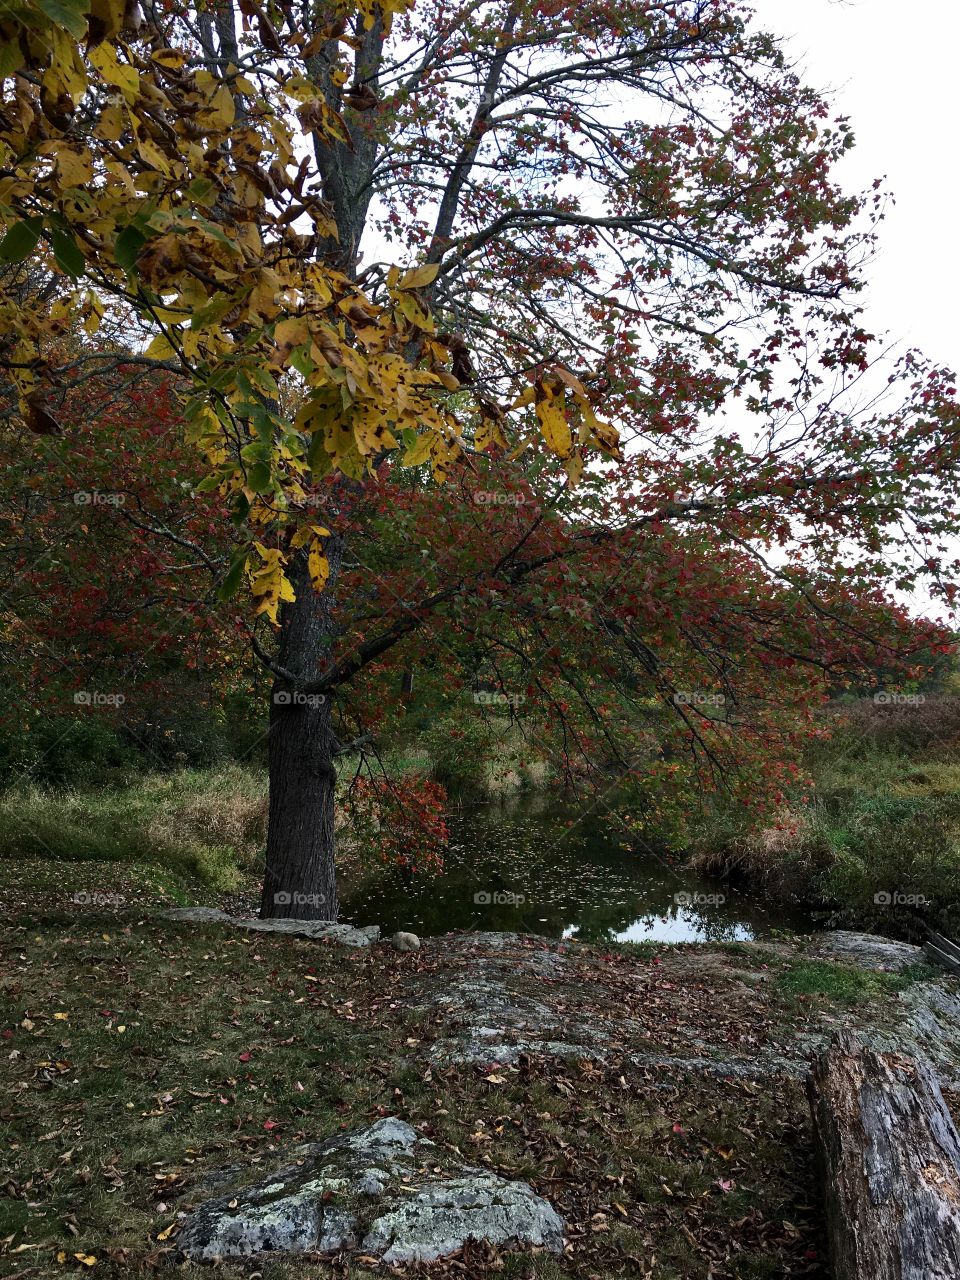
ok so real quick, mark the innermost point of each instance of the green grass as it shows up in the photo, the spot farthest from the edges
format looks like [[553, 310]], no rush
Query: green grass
[[844, 984]]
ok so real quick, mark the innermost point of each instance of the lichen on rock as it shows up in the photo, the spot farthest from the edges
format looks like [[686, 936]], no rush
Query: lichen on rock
[[381, 1187]]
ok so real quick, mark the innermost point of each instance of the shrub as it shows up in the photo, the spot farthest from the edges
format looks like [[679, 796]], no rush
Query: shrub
[[401, 822], [65, 751], [225, 808], [787, 857], [459, 746], [929, 725]]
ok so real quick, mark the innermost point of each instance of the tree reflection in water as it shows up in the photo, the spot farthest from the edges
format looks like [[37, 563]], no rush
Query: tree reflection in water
[[536, 866]]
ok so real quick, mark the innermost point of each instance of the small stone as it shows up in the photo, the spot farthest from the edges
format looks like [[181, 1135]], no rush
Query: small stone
[[405, 942]]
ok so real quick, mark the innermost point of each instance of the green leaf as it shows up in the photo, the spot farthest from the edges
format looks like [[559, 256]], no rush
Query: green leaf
[[21, 240], [239, 507], [203, 190], [212, 229], [69, 14], [231, 583], [212, 312], [128, 244], [254, 452], [318, 460], [12, 58], [67, 253], [260, 478], [302, 363]]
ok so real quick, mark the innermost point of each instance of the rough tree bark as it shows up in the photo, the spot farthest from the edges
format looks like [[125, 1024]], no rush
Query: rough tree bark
[[300, 877], [890, 1160]]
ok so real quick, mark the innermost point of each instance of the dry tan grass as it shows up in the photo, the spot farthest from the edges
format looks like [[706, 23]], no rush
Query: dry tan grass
[[230, 809], [781, 855]]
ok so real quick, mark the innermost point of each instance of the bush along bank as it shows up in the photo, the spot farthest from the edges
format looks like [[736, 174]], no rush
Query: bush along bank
[[875, 842]]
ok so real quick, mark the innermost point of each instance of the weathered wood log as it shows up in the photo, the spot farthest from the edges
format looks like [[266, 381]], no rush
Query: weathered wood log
[[942, 959], [944, 944], [890, 1161], [942, 952]]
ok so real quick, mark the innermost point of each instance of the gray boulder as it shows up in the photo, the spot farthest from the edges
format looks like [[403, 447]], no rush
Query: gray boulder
[[376, 1189], [868, 950]]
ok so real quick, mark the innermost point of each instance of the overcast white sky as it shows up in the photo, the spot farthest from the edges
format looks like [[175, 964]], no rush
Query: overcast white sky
[[892, 68]]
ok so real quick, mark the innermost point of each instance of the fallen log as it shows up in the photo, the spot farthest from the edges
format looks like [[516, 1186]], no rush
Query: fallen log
[[942, 952], [890, 1160]]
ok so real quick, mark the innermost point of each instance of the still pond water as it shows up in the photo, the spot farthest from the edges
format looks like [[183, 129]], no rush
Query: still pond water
[[532, 866]]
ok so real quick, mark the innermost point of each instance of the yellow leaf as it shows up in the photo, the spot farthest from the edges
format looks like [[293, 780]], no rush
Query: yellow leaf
[[172, 58], [604, 434], [554, 425], [75, 168], [419, 277], [574, 468], [488, 433], [306, 532], [66, 71], [569, 380], [419, 451], [263, 296], [291, 332], [127, 79], [87, 1259], [167, 1231], [414, 311], [317, 116], [270, 585], [110, 18], [160, 348], [110, 126], [153, 156], [372, 433], [223, 107], [319, 567]]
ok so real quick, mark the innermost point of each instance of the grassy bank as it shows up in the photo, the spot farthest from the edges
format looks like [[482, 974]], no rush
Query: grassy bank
[[875, 842], [200, 832], [199, 827]]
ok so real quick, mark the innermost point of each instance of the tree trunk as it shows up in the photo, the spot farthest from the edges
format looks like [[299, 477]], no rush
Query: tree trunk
[[300, 878], [890, 1160]]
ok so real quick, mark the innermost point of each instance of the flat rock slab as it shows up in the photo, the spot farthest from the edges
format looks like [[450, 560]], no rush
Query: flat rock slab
[[496, 998], [381, 1190], [343, 935], [868, 950]]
